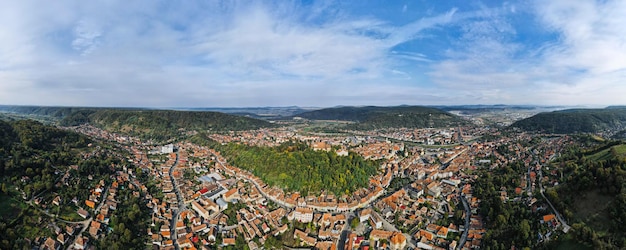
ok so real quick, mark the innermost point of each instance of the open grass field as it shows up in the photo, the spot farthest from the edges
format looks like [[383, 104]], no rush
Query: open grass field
[[68, 213], [618, 150], [567, 243]]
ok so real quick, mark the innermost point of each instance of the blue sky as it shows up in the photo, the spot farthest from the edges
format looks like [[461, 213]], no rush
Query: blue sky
[[312, 53]]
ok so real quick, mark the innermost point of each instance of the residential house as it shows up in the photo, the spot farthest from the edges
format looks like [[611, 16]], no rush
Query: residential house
[[62, 238], [90, 204], [376, 221], [81, 242], [51, 244], [306, 240], [57, 200], [397, 241], [365, 214], [231, 195], [83, 213]]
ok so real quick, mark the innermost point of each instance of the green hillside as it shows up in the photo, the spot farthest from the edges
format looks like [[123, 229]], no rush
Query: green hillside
[[145, 123], [592, 195], [575, 121], [164, 124], [296, 167], [372, 117], [39, 163], [58, 112], [616, 151]]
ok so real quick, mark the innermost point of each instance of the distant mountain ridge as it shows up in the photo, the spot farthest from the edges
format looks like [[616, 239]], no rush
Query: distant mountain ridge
[[369, 117], [610, 120], [256, 112], [485, 107]]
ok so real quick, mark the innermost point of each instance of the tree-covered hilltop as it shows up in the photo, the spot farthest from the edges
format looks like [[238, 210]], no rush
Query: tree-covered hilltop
[[592, 194], [294, 166], [575, 121], [40, 163], [33, 158], [372, 117], [57, 112], [165, 124], [145, 123]]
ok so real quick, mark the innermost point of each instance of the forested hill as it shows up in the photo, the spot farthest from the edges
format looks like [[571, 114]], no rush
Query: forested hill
[[28, 144], [146, 123], [592, 194], [576, 121], [294, 166], [387, 117]]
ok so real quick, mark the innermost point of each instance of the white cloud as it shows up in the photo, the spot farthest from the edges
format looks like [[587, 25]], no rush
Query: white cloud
[[86, 37], [120, 53], [584, 66], [222, 53], [262, 44], [593, 34]]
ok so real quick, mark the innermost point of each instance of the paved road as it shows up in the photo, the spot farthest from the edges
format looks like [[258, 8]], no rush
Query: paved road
[[468, 213], [85, 223], [88, 221], [446, 164], [279, 202], [345, 231], [181, 205], [566, 227]]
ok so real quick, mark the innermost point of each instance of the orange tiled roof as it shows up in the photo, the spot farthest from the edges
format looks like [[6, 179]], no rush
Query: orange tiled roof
[[548, 217]]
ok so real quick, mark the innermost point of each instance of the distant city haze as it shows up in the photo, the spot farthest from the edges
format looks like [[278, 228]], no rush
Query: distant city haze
[[312, 53]]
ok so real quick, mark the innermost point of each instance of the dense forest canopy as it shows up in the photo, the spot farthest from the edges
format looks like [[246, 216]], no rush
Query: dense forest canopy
[[509, 223], [575, 121], [372, 117], [145, 123], [296, 167], [165, 124]]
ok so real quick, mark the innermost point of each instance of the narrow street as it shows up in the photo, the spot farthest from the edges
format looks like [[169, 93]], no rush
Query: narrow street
[[566, 227], [88, 221], [468, 214], [181, 205], [279, 202]]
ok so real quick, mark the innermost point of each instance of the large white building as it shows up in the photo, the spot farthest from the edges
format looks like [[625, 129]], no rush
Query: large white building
[[200, 210], [303, 214], [167, 149]]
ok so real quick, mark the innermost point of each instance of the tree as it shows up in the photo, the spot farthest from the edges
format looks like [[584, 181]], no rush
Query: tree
[[354, 222], [272, 243], [525, 229], [295, 167]]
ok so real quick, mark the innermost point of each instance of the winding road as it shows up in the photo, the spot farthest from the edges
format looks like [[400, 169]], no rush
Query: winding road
[[566, 227], [85, 223]]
